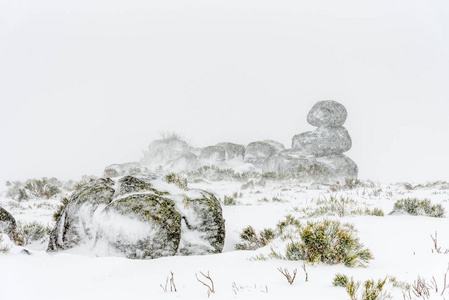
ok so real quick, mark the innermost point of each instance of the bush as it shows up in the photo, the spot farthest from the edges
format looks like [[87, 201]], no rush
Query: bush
[[229, 201], [371, 290], [253, 240], [328, 242], [415, 207], [26, 233], [180, 181], [60, 209]]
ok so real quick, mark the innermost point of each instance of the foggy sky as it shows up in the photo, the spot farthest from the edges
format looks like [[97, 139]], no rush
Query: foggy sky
[[89, 83]]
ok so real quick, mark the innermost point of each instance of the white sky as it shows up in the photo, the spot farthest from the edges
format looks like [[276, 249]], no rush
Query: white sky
[[88, 83]]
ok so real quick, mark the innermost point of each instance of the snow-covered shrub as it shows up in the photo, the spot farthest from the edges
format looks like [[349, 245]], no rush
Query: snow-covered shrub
[[227, 200], [415, 207], [253, 240], [27, 233], [324, 241], [60, 208], [4, 246], [177, 179], [37, 188], [371, 290]]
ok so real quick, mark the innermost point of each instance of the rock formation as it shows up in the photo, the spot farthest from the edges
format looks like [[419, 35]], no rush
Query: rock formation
[[140, 217], [314, 154]]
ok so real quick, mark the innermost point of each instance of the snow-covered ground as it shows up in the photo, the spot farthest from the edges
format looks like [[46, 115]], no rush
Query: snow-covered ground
[[401, 245]]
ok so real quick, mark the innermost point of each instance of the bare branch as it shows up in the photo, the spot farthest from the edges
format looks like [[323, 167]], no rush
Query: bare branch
[[211, 288], [287, 275]]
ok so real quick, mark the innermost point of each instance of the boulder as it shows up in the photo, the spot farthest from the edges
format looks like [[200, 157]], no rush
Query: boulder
[[279, 147], [327, 113], [339, 166], [170, 155], [213, 154], [323, 141], [130, 168], [288, 162], [141, 217], [232, 151], [257, 153], [7, 223]]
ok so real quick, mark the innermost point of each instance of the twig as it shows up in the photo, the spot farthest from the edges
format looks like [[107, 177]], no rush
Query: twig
[[211, 288], [287, 275], [305, 271]]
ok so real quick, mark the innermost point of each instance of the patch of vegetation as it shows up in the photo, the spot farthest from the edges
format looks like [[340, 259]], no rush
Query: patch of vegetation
[[176, 179], [351, 184], [371, 290], [325, 241], [253, 240], [228, 201], [417, 207], [340, 207], [27, 233]]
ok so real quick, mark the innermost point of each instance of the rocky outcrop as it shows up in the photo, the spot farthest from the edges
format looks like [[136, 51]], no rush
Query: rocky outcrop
[[7, 223], [139, 217], [313, 154]]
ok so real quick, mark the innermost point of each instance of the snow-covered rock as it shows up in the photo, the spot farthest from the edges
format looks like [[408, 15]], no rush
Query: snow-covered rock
[[323, 141], [233, 151], [130, 168], [7, 223], [327, 113], [258, 152], [213, 154], [171, 155], [140, 217]]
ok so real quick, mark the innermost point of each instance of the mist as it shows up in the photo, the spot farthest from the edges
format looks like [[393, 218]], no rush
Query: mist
[[90, 83]]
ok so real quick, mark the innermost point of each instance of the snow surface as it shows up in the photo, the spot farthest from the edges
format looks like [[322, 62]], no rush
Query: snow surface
[[401, 245]]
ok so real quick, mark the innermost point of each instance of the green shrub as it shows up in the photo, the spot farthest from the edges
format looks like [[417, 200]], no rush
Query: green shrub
[[340, 280], [252, 240], [227, 200], [176, 179], [328, 242], [371, 290], [26, 233], [42, 188], [415, 207]]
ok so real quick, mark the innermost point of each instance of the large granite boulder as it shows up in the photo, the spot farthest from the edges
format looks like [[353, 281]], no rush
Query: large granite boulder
[[213, 154], [233, 151], [130, 168], [327, 113], [141, 217], [288, 162], [258, 152], [7, 223], [170, 155], [339, 166], [323, 141]]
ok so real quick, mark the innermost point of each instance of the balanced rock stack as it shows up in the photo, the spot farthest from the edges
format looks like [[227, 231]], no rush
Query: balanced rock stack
[[330, 137], [330, 140]]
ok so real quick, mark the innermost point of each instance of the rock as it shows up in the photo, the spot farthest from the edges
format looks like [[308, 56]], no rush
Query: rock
[[213, 154], [288, 161], [171, 155], [233, 151], [339, 166], [323, 141], [140, 217], [258, 152], [327, 113], [116, 170], [203, 218], [7, 223], [279, 147]]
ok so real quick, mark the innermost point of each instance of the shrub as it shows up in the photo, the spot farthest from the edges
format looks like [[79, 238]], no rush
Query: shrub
[[415, 207], [229, 201], [252, 240], [43, 188], [26, 233], [328, 242], [371, 290], [4, 248], [176, 179]]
